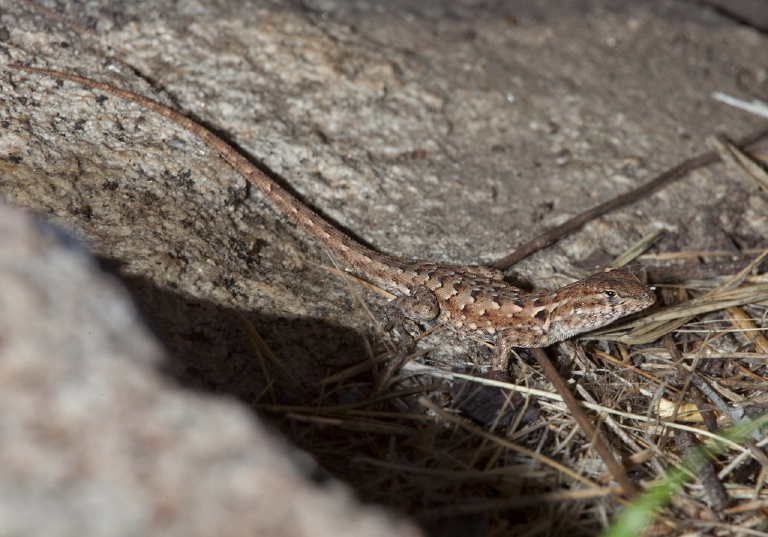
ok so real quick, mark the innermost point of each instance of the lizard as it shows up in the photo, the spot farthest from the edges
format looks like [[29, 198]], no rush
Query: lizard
[[472, 300]]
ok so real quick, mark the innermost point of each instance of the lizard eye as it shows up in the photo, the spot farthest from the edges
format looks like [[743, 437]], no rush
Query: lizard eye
[[609, 293]]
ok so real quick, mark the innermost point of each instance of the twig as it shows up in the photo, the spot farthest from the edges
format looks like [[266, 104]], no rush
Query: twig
[[586, 425], [575, 223], [712, 485]]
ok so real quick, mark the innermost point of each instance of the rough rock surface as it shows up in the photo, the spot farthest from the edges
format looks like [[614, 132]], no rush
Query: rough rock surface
[[440, 131]]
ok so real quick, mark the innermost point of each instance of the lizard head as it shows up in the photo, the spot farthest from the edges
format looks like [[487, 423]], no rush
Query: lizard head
[[618, 291], [597, 301]]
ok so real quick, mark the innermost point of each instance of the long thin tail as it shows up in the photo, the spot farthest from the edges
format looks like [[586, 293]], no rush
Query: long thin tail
[[352, 254]]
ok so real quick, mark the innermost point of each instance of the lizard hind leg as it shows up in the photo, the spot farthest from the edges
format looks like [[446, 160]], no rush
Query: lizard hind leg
[[421, 305], [500, 358]]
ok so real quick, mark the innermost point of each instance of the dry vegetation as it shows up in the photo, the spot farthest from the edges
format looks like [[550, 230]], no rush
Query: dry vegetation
[[660, 386]]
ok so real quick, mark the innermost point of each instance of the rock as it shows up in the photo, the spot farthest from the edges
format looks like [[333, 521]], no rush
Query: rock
[[96, 442]]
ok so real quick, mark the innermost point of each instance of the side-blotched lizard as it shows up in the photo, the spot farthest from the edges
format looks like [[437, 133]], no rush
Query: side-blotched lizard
[[470, 299]]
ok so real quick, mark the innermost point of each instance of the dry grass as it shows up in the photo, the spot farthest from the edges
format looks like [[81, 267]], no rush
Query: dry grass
[[663, 384], [662, 388]]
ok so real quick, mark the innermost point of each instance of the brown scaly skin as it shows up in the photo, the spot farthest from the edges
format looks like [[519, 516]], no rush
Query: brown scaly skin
[[471, 300]]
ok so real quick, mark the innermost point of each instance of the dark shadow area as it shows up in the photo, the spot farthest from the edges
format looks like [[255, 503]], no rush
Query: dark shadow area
[[210, 352], [210, 349]]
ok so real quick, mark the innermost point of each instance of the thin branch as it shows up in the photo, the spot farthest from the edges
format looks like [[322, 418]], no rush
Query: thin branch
[[575, 223]]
